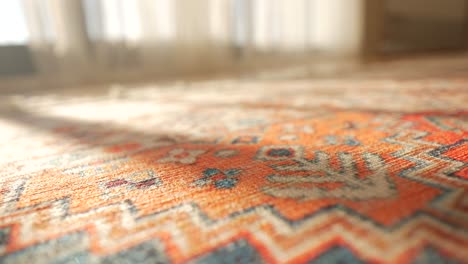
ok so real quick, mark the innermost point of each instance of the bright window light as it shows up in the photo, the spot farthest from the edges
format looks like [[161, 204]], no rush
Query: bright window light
[[12, 23]]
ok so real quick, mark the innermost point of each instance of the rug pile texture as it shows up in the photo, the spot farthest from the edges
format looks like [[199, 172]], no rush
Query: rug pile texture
[[328, 171]]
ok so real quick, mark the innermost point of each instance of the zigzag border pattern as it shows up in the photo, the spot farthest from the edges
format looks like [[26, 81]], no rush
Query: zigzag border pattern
[[328, 226]]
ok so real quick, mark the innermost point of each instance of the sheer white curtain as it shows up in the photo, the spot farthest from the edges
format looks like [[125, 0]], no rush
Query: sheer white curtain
[[83, 37]]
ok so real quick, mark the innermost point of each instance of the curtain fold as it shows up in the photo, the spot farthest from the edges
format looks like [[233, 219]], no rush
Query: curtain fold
[[57, 35]]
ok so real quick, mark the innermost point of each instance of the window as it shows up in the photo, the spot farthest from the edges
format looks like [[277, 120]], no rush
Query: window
[[13, 29], [14, 54]]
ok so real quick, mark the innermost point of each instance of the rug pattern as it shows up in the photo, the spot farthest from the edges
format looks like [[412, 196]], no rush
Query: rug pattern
[[296, 172]]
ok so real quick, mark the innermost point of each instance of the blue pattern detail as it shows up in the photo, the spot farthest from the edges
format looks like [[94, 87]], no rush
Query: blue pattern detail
[[79, 258], [337, 255], [229, 178], [210, 172], [280, 152], [236, 252], [246, 140], [348, 140], [226, 183], [145, 253], [351, 141], [4, 236], [429, 255], [331, 140]]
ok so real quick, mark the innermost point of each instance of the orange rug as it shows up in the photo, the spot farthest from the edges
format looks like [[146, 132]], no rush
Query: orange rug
[[229, 172]]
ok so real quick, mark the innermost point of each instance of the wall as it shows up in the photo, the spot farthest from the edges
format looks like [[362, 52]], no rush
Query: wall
[[425, 24], [15, 60]]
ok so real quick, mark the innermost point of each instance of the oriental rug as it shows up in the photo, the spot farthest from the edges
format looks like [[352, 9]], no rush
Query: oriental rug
[[328, 171]]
